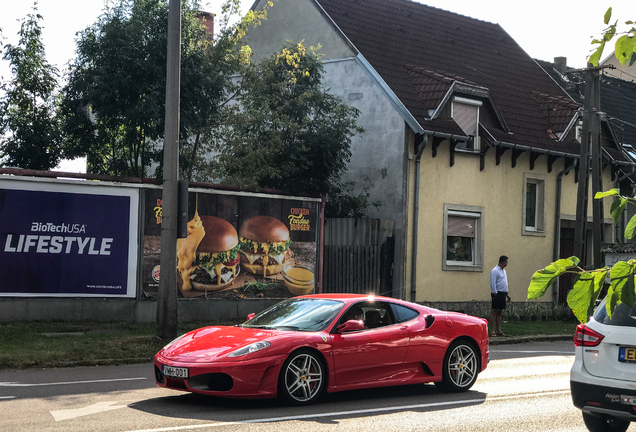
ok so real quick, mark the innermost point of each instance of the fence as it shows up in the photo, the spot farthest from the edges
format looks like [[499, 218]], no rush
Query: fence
[[358, 256]]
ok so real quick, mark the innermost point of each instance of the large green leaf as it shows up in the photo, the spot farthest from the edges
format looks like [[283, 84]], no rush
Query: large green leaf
[[542, 279], [624, 48], [630, 229], [621, 288], [582, 297], [617, 208], [611, 192]]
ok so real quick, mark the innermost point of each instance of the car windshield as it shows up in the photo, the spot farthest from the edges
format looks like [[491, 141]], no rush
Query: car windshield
[[299, 314], [623, 315]]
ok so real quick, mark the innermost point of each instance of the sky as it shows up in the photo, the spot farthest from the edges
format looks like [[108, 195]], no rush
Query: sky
[[543, 28]]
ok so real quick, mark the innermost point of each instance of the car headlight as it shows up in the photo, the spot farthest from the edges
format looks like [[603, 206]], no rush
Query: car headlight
[[256, 346], [173, 341]]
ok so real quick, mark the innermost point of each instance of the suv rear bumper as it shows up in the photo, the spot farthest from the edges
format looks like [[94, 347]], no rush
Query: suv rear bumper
[[602, 400]]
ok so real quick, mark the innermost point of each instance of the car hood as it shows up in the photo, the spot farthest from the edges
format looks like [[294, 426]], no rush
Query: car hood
[[209, 343]]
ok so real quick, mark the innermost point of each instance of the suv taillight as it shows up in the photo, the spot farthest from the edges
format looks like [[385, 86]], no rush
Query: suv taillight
[[585, 336]]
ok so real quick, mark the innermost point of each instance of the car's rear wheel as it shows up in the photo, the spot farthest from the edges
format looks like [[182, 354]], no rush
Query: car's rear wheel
[[302, 378], [461, 367], [604, 424]]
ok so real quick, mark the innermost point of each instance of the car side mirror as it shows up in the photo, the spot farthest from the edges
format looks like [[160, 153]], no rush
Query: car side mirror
[[250, 316], [351, 325]]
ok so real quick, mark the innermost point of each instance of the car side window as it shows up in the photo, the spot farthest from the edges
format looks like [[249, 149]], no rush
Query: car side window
[[403, 313]]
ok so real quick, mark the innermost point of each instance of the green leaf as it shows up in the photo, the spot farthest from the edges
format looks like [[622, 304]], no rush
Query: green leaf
[[630, 229], [607, 16], [595, 57], [611, 192], [624, 48], [542, 279], [617, 208], [621, 285], [582, 297]]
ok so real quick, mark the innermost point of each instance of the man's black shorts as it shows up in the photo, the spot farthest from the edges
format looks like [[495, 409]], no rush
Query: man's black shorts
[[499, 300]]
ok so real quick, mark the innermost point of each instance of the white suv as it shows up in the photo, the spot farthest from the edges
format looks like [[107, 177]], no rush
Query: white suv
[[603, 377]]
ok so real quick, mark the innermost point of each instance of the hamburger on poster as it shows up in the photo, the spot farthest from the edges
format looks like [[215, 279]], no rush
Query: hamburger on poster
[[217, 256], [264, 244]]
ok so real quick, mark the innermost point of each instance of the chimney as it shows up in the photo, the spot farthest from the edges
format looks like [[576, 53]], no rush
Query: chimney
[[207, 19], [561, 64]]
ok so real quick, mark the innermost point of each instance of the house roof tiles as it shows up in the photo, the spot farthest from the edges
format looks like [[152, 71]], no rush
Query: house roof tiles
[[419, 51]]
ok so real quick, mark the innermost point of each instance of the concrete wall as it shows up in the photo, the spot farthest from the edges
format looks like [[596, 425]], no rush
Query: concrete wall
[[124, 310], [379, 154], [500, 191]]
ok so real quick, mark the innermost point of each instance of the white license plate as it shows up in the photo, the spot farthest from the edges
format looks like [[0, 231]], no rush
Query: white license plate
[[175, 372]]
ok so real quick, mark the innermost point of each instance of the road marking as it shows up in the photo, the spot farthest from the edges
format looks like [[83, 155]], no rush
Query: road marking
[[68, 414], [353, 412], [532, 352], [15, 384], [7, 397]]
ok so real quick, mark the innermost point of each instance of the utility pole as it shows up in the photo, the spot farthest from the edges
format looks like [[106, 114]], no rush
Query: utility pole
[[590, 145], [167, 295]]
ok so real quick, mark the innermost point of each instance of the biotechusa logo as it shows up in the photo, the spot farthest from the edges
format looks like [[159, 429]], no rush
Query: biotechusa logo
[[44, 244], [61, 228]]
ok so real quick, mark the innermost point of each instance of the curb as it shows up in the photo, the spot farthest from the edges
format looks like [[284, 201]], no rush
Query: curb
[[505, 340]]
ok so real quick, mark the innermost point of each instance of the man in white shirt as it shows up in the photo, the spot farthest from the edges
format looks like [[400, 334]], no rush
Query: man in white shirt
[[499, 295]]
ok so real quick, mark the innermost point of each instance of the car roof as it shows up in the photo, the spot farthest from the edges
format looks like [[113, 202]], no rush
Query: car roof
[[353, 298]]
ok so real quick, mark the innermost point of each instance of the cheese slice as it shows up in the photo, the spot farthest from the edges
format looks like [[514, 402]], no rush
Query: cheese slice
[[251, 256], [279, 257]]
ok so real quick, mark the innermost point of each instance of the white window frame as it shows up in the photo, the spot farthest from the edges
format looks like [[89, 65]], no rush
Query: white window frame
[[477, 213], [539, 228], [476, 140]]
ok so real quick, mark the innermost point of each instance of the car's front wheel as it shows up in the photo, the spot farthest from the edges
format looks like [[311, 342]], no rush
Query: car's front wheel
[[604, 424], [461, 367], [302, 378]]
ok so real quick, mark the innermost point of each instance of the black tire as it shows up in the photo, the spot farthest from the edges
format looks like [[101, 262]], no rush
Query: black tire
[[604, 424], [302, 378], [461, 367]]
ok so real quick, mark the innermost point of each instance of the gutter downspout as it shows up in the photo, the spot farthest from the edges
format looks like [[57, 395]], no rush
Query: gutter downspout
[[557, 226], [416, 212]]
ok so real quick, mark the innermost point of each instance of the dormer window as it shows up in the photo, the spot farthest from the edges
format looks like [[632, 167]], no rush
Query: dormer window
[[465, 112]]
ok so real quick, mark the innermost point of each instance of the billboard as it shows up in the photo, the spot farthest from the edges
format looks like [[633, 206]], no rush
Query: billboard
[[239, 245], [67, 239]]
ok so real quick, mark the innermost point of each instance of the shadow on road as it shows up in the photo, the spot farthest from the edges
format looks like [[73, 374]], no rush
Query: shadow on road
[[333, 406]]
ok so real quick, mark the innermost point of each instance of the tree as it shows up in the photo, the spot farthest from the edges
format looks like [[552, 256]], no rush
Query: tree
[[29, 128], [114, 100], [589, 283], [285, 131]]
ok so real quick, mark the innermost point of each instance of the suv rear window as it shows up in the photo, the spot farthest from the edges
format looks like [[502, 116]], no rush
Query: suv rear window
[[623, 315]]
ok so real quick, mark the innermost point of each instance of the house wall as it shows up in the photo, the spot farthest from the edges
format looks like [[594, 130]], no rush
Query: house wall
[[379, 155], [500, 191]]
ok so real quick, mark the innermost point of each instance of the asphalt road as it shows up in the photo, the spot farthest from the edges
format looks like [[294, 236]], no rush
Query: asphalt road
[[525, 388]]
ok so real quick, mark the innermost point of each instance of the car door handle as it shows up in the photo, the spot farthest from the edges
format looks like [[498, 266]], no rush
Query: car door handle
[[404, 328]]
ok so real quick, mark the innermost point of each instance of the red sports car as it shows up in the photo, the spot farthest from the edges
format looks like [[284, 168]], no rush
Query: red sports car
[[304, 346]]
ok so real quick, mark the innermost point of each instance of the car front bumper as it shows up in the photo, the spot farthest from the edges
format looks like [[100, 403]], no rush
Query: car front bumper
[[255, 378]]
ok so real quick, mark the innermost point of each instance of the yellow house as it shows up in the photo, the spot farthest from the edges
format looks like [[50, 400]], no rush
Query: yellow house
[[470, 146]]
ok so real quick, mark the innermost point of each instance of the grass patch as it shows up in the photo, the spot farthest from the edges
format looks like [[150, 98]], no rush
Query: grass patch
[[531, 328], [58, 344]]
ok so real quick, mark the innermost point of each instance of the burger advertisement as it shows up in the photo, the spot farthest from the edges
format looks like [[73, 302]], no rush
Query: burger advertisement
[[238, 246]]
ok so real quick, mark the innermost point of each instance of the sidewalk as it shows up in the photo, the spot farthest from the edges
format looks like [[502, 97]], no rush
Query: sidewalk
[[504, 340]]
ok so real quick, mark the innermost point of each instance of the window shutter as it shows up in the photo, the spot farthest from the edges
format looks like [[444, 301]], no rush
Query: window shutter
[[466, 117], [458, 226]]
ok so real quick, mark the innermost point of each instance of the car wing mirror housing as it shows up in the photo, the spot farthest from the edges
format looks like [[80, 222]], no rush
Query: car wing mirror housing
[[250, 316], [351, 325]]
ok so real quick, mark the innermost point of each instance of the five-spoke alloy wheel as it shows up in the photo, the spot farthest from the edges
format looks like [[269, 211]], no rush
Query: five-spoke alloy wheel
[[461, 367], [302, 378]]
